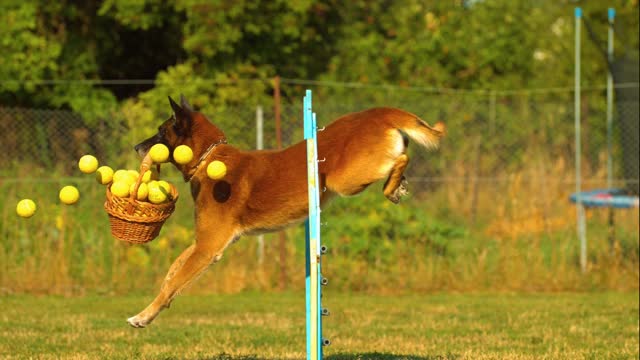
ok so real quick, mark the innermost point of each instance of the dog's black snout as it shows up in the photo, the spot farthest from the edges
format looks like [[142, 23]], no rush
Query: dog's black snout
[[140, 149]]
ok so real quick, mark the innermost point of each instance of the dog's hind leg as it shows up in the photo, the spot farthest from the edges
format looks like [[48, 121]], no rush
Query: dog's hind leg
[[396, 185], [184, 270]]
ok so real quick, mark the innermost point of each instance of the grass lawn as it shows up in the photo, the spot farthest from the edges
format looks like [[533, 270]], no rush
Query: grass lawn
[[271, 326]]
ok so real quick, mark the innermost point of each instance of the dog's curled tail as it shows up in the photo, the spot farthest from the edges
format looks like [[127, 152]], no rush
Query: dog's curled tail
[[422, 133]]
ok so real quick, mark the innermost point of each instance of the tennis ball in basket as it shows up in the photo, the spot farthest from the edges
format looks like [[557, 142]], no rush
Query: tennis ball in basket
[[132, 177], [152, 183], [149, 175], [157, 195], [159, 153], [26, 208], [134, 173], [88, 164], [69, 195], [121, 175], [104, 175], [182, 154], [120, 188], [216, 170], [165, 185], [143, 191]]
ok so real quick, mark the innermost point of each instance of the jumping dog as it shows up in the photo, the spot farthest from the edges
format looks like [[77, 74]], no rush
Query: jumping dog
[[267, 190]]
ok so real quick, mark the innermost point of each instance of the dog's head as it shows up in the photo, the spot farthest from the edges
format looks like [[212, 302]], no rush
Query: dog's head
[[184, 127]]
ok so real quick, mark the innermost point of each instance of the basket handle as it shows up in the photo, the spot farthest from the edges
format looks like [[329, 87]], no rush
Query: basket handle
[[144, 167]]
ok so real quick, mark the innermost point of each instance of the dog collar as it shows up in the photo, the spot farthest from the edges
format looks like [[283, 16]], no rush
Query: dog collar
[[203, 157]]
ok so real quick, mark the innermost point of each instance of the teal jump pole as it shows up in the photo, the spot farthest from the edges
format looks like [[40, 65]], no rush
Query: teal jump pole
[[313, 274], [580, 215]]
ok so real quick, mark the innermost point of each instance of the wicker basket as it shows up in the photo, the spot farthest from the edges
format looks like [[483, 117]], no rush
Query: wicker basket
[[134, 221]]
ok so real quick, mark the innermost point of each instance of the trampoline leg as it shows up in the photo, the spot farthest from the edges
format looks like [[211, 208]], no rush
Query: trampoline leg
[[612, 233], [582, 234]]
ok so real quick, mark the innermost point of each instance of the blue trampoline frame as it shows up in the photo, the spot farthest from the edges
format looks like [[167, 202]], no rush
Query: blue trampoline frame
[[615, 198], [610, 198]]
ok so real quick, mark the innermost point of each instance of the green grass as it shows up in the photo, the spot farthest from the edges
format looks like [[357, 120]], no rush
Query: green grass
[[271, 326], [68, 250]]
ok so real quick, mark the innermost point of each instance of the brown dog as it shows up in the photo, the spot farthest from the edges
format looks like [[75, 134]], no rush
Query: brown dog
[[267, 190]]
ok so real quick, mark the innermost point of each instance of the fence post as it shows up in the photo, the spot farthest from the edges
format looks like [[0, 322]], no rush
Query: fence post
[[492, 112], [612, 231], [612, 13], [276, 111], [260, 146], [282, 238]]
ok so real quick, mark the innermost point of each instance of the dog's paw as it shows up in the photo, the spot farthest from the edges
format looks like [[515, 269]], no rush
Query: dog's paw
[[393, 198], [137, 321], [403, 189], [400, 191]]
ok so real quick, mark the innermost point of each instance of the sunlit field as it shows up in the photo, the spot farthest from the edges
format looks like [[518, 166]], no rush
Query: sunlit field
[[271, 326], [485, 257]]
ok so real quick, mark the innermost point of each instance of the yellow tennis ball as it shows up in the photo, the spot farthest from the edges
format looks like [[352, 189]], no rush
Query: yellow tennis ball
[[165, 185], [132, 177], [182, 154], [121, 175], [120, 188], [88, 164], [157, 195], [216, 170], [152, 184], [104, 175], [159, 153], [69, 195], [149, 175], [134, 173], [26, 208], [143, 191]]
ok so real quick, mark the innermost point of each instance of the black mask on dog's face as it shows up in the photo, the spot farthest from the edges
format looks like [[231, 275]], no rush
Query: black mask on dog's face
[[174, 128]]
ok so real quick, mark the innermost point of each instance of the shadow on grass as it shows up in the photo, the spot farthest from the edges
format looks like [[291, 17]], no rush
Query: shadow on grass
[[365, 356], [383, 356]]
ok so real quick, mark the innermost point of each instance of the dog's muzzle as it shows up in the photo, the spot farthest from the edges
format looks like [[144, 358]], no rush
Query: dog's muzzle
[[141, 149]]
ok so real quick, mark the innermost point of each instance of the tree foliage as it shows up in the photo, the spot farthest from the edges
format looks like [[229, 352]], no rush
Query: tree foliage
[[223, 52]]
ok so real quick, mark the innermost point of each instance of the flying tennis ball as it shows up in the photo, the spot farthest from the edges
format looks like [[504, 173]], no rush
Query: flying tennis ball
[[69, 195], [159, 153], [182, 154], [216, 170], [26, 208], [143, 191], [104, 175], [88, 164], [120, 188], [157, 195]]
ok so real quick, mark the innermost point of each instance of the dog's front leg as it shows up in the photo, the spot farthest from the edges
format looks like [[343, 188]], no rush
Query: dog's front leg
[[186, 268]]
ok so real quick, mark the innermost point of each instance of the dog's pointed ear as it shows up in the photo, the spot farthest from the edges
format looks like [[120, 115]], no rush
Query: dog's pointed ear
[[174, 106], [181, 111], [185, 104], [182, 115]]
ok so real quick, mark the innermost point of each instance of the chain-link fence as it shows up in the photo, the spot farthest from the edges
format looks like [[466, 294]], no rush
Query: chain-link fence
[[505, 168], [490, 134]]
